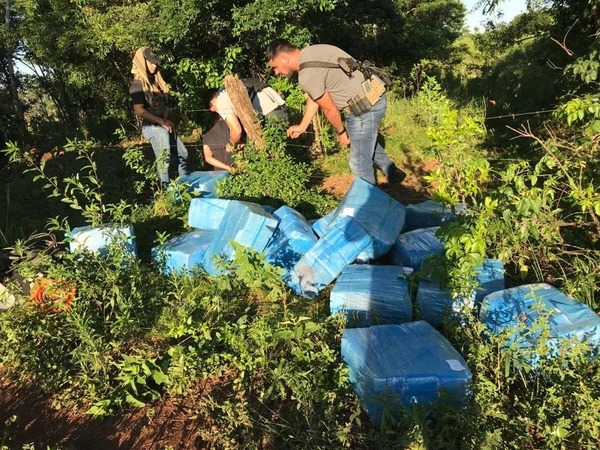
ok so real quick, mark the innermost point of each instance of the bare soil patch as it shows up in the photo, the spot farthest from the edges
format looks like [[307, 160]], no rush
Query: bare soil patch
[[168, 422]]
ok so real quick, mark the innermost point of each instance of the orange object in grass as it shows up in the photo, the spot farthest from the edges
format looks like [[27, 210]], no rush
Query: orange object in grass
[[52, 294]]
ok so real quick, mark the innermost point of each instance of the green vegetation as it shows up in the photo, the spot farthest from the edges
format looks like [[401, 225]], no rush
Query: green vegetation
[[268, 361]]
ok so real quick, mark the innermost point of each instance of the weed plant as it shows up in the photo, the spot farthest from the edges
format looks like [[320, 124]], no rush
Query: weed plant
[[272, 176]]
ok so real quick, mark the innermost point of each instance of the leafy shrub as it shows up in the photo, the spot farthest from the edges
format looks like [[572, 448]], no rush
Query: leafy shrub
[[271, 176]]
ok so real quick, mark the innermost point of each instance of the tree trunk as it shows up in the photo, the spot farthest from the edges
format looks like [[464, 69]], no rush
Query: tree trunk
[[244, 110], [14, 86]]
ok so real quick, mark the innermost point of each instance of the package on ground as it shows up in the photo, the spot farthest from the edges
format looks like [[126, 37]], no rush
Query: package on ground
[[381, 216], [331, 254], [395, 366], [429, 214], [413, 247], [204, 182], [292, 239], [490, 276], [372, 295], [520, 310], [98, 239], [247, 224], [185, 252], [320, 225], [435, 301], [207, 213]]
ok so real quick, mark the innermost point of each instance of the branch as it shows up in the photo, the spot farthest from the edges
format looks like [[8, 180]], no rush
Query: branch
[[563, 44]]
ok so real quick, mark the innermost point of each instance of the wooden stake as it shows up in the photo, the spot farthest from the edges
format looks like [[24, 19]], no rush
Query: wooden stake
[[243, 109]]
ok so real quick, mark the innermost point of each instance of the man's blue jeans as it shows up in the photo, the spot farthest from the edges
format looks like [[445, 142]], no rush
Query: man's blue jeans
[[364, 148], [159, 139]]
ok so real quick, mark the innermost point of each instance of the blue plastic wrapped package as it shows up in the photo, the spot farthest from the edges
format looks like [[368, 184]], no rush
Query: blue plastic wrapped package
[[292, 239], [328, 257], [98, 239], [372, 295], [185, 252], [247, 224], [204, 183], [411, 248], [320, 226], [490, 276], [377, 213], [435, 301], [429, 214], [207, 213], [395, 366], [519, 308]]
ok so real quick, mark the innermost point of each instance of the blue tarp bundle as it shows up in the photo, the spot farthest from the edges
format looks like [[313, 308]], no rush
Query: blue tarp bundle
[[520, 307], [411, 248], [185, 252], [338, 248], [394, 366], [371, 295], [292, 239], [435, 302], [376, 212], [319, 226], [428, 214], [204, 183], [490, 276], [247, 224], [97, 239], [207, 213]]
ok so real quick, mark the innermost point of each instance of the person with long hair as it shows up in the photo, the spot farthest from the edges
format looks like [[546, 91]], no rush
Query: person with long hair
[[150, 96]]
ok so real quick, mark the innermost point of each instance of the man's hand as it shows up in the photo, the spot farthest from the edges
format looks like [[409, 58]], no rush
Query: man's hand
[[295, 130], [168, 125], [344, 139]]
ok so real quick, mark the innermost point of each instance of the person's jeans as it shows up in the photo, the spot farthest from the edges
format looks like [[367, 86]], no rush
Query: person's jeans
[[364, 148], [159, 140]]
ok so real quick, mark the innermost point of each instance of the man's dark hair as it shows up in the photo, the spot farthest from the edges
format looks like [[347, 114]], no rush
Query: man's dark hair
[[209, 95], [278, 46]]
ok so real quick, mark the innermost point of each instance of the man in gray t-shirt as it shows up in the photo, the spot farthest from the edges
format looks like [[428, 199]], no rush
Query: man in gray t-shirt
[[330, 88]]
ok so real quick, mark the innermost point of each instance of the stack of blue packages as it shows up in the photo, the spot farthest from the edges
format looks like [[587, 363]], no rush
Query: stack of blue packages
[[204, 183], [413, 247], [372, 295], [428, 214], [98, 239], [396, 366], [377, 213], [185, 252], [435, 301], [338, 248], [207, 213], [292, 239], [247, 224], [519, 308]]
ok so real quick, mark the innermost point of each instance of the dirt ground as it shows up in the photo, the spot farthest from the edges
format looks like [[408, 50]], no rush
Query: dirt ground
[[168, 422]]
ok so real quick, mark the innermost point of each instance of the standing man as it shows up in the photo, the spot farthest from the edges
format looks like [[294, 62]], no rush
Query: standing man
[[333, 90], [149, 94]]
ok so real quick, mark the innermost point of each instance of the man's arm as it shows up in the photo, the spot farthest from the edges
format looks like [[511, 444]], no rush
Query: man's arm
[[235, 128], [332, 114], [309, 112], [210, 159]]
